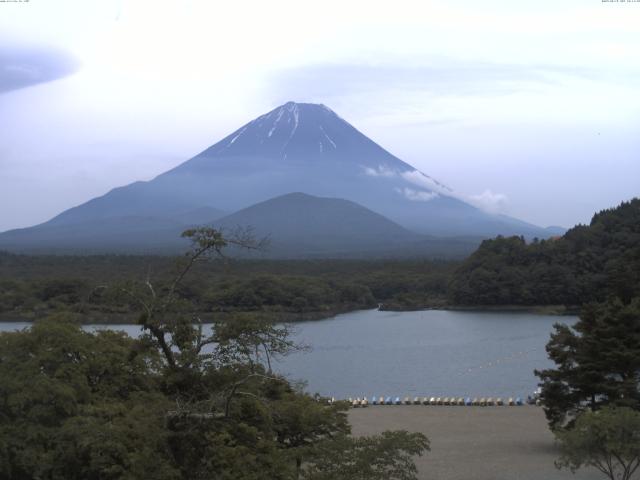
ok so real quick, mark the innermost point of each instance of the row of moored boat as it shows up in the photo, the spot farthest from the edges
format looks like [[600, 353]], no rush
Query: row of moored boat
[[458, 401]]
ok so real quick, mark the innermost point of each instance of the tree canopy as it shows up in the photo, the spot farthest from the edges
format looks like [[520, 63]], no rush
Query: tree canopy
[[182, 401], [597, 362], [34, 286], [608, 440], [589, 263]]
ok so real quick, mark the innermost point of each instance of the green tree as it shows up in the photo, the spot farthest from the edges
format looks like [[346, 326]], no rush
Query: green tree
[[79, 405], [301, 422], [598, 362], [608, 439], [252, 339], [388, 456], [183, 401], [588, 263]]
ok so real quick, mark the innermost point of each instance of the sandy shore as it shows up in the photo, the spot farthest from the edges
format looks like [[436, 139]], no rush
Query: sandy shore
[[474, 443]]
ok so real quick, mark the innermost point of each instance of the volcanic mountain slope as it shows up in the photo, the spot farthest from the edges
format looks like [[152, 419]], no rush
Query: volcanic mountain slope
[[296, 147], [122, 234], [298, 225]]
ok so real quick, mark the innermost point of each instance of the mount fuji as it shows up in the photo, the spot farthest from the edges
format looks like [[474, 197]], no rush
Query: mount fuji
[[297, 147]]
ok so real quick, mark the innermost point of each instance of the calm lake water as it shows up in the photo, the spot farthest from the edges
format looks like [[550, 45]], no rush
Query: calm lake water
[[425, 353]]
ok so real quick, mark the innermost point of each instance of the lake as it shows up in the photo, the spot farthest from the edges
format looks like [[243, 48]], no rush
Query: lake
[[424, 353]]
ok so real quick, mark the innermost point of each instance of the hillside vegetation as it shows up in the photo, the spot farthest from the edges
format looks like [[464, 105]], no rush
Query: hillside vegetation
[[589, 263], [177, 403], [34, 286]]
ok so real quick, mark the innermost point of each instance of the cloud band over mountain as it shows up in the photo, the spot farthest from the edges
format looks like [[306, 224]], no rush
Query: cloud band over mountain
[[26, 66]]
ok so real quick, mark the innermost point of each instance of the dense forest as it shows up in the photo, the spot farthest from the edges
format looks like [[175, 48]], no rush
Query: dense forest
[[177, 402], [34, 286], [589, 263]]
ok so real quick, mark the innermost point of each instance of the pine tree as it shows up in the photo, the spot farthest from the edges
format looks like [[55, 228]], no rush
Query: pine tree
[[598, 362]]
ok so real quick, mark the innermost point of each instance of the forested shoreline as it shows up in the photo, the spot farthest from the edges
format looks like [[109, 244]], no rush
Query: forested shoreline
[[81, 404], [559, 275], [588, 264], [32, 287]]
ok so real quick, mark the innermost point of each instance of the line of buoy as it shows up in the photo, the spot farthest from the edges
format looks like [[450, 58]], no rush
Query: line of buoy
[[450, 401], [498, 361]]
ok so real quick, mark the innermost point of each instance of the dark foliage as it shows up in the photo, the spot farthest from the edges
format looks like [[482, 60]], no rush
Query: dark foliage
[[597, 362], [180, 402], [33, 286], [608, 440], [589, 263]]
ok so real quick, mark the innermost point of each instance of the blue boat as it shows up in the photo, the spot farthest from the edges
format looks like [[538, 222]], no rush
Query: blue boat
[[467, 401], [388, 401]]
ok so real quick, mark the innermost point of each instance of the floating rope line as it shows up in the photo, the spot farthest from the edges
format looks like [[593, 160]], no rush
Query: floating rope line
[[495, 363]]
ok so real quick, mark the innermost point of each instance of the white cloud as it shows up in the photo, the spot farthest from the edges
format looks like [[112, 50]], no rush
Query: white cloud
[[425, 181], [381, 171], [464, 58], [417, 195], [489, 201]]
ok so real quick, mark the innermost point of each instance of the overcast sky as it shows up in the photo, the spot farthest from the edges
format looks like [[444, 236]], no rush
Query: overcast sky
[[529, 108]]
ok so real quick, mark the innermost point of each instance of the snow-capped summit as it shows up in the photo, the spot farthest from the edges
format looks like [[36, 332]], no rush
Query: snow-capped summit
[[312, 136], [301, 131]]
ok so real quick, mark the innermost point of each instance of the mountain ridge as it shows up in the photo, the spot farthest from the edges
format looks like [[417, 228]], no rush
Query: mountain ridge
[[299, 225], [297, 147]]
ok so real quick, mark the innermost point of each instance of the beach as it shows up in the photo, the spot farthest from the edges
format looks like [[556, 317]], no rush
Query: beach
[[474, 443]]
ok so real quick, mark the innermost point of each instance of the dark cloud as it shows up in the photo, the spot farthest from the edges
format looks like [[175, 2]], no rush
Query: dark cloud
[[24, 66]]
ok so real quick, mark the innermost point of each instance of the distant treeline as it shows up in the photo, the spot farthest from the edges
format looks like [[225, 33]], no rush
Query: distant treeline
[[589, 263], [33, 286]]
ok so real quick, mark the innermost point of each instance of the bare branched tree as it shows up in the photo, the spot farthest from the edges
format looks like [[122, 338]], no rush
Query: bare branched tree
[[179, 334], [243, 346]]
